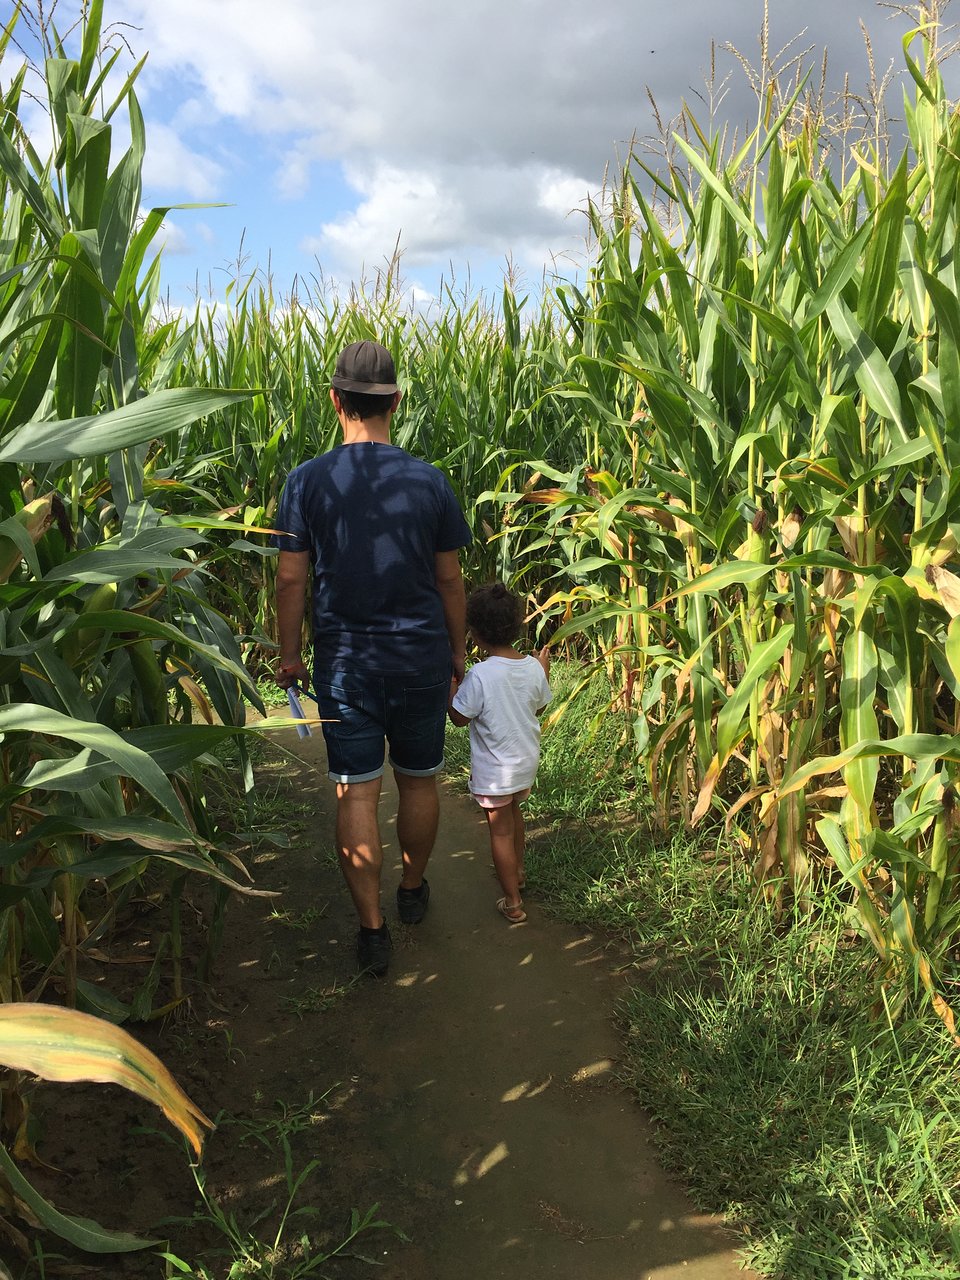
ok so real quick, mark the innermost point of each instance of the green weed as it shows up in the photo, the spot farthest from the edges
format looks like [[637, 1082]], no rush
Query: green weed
[[283, 1122], [317, 999], [832, 1136], [301, 921], [290, 1251]]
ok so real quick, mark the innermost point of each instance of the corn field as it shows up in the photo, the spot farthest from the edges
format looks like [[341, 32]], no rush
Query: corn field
[[720, 467], [722, 470]]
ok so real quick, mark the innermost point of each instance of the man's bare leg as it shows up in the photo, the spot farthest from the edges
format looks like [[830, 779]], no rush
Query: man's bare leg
[[358, 845], [417, 821]]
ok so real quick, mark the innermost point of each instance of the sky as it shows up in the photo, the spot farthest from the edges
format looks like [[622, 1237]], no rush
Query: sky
[[467, 134]]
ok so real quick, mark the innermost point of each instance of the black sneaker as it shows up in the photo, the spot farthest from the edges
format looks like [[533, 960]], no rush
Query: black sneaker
[[412, 903], [373, 951]]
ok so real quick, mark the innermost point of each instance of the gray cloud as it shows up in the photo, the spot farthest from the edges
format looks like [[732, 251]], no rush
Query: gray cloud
[[471, 111]]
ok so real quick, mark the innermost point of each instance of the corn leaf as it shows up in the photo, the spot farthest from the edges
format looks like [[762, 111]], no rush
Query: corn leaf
[[153, 416], [64, 1045]]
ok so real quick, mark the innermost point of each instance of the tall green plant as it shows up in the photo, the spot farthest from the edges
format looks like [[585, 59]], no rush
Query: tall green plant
[[105, 624], [771, 537]]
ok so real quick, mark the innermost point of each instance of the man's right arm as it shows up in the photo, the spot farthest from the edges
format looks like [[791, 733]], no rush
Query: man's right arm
[[454, 598], [293, 568]]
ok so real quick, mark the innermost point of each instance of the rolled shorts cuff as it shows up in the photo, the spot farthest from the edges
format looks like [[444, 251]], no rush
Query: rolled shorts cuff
[[418, 773], [346, 778]]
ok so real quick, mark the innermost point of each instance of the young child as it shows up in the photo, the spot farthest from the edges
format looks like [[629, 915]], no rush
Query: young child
[[501, 699]]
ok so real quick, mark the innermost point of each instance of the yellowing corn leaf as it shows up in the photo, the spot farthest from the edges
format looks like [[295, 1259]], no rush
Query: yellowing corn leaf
[[945, 1014], [770, 740], [684, 530], [659, 517], [63, 1044], [613, 543], [197, 697], [549, 497], [940, 1006], [741, 802], [709, 785], [835, 583], [768, 860], [946, 549]]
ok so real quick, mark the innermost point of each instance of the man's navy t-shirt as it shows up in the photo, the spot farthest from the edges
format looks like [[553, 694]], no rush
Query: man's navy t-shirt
[[373, 519]]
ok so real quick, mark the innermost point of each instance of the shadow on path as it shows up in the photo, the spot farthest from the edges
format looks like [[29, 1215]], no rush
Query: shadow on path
[[480, 1105]]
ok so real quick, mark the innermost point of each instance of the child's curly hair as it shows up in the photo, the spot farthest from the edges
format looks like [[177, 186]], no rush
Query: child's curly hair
[[494, 614]]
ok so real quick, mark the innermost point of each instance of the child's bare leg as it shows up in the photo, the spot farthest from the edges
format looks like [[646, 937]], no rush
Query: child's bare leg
[[519, 841], [501, 826]]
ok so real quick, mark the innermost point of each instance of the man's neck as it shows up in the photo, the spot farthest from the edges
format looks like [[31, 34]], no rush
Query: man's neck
[[370, 430]]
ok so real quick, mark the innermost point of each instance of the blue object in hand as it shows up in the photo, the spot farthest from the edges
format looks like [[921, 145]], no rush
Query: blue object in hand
[[296, 709]]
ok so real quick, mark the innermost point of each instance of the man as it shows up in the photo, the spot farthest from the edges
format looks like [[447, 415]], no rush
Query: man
[[380, 531]]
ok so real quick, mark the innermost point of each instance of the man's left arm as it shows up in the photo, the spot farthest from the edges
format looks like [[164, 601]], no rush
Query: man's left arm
[[454, 598], [293, 570]]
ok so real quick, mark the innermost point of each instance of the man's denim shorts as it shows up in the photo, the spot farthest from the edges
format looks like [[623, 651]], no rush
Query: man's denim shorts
[[361, 710]]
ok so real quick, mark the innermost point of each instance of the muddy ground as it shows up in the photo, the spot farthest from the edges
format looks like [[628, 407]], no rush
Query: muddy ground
[[472, 1094]]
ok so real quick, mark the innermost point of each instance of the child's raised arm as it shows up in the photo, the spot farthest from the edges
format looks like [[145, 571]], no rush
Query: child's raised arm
[[543, 657]]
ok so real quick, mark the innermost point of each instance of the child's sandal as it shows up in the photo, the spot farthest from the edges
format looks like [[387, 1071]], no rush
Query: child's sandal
[[512, 913]]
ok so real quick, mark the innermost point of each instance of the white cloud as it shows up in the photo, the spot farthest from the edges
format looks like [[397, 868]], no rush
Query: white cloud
[[560, 193], [171, 238], [467, 128], [489, 211], [182, 236], [293, 175], [203, 232], [396, 204], [178, 171]]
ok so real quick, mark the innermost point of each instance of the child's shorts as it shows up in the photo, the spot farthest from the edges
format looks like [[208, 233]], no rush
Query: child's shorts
[[499, 802]]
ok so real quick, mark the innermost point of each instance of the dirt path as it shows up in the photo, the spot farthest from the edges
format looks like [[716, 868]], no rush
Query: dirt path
[[483, 1112], [472, 1093]]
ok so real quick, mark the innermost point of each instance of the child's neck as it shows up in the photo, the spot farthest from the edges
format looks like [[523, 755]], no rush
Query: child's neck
[[500, 651]]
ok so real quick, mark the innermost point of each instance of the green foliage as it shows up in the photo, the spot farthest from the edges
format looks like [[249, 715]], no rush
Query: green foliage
[[826, 1130], [759, 545], [723, 470], [108, 639], [835, 1142], [289, 1252]]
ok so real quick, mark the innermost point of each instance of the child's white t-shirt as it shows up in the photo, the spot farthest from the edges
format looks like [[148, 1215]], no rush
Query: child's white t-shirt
[[501, 698]]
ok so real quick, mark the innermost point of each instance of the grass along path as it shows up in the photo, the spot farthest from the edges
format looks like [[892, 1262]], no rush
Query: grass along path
[[485, 1114], [788, 1089]]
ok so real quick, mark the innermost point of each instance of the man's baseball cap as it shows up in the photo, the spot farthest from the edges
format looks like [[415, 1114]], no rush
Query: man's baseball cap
[[366, 367]]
